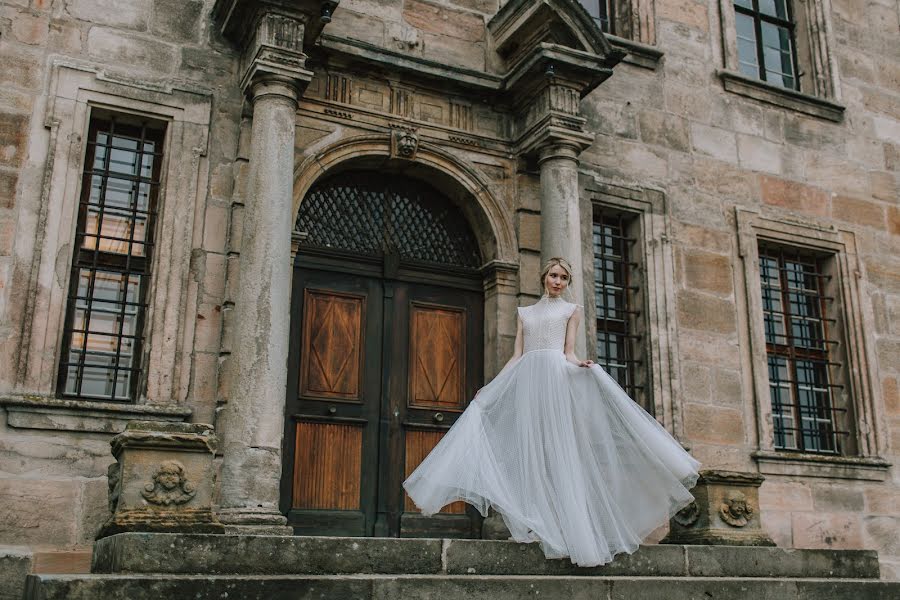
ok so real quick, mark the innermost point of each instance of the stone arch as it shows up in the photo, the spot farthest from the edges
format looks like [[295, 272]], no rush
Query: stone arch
[[460, 181]]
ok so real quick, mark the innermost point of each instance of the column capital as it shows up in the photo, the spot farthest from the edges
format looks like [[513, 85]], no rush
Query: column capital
[[274, 56]]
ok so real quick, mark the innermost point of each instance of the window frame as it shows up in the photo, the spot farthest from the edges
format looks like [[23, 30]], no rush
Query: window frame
[[759, 18], [815, 63], [73, 91], [628, 327], [96, 260], [655, 298], [789, 351], [859, 375]]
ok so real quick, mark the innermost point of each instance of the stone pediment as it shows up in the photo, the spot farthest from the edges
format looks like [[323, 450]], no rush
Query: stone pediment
[[521, 26]]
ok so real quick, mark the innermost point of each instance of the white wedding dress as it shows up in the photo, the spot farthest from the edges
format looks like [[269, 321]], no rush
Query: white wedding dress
[[560, 451]]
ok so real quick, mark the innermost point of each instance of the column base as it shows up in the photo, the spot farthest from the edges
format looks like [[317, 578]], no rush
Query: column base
[[249, 521]]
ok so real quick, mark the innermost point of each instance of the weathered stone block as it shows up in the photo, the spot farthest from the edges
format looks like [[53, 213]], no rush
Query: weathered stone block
[[785, 496], [706, 313], [30, 29], [529, 231], [13, 136], [176, 20], [65, 37], [725, 512], [838, 498], [163, 479], [664, 129], [108, 45], [357, 26], [706, 271], [445, 21], [696, 382], [128, 15], [688, 12], [882, 533], [795, 196], [759, 154], [858, 210], [719, 143], [826, 530], [20, 521], [15, 565], [713, 424]]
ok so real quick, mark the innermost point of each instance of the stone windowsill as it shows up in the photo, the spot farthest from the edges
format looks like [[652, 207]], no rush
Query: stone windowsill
[[39, 412], [639, 54], [790, 99], [807, 465]]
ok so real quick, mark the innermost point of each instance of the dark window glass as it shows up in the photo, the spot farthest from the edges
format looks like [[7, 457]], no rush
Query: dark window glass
[[765, 41], [796, 327], [613, 294], [601, 11], [114, 237]]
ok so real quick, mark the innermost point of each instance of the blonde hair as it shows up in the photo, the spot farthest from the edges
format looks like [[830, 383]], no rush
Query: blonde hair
[[556, 260]]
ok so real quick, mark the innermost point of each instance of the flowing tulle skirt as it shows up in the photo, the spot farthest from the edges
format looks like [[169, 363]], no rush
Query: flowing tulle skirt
[[565, 456]]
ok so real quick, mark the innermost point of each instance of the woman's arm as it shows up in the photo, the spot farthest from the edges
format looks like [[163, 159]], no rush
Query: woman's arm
[[571, 333]]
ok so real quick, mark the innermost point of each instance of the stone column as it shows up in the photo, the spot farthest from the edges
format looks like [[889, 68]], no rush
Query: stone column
[[251, 469], [561, 217]]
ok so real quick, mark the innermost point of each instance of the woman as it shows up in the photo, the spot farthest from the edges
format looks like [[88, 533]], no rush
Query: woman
[[557, 447]]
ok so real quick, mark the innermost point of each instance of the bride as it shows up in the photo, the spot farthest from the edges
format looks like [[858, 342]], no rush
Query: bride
[[557, 447]]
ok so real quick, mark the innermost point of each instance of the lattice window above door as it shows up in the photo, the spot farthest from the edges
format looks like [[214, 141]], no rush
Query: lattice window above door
[[375, 213]]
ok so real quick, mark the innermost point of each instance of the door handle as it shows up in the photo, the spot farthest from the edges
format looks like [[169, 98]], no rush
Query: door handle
[[438, 417]]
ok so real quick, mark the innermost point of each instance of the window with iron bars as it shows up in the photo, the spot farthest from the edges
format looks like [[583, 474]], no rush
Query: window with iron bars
[[765, 41], [615, 293], [106, 309], [601, 11], [805, 413]]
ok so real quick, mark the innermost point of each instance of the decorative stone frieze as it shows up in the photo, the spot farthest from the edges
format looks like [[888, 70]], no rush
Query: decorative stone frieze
[[725, 512], [162, 479]]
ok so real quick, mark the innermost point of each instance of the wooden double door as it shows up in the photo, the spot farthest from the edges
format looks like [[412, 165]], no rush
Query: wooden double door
[[382, 362]]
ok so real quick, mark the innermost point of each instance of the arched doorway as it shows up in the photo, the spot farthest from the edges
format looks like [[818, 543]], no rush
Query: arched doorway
[[386, 349]]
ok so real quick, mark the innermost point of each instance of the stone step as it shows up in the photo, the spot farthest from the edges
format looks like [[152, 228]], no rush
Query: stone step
[[449, 587], [298, 555]]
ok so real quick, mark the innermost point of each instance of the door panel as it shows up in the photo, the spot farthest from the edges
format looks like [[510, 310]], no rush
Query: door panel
[[437, 356], [331, 426], [331, 354], [327, 466], [441, 324]]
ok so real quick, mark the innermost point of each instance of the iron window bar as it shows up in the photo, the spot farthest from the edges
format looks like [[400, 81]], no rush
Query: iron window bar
[[613, 292], [803, 407], [110, 269]]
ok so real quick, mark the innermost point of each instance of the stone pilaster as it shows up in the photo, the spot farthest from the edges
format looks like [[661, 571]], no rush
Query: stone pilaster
[[274, 77]]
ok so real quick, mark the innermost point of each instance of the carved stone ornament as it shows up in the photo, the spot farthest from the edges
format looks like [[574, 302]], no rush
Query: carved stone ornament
[[736, 511], [404, 143], [688, 515], [169, 486]]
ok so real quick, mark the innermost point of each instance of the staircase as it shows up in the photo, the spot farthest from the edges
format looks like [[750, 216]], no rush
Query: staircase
[[138, 566]]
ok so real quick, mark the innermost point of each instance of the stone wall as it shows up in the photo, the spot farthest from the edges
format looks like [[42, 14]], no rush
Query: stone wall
[[53, 490], [664, 128]]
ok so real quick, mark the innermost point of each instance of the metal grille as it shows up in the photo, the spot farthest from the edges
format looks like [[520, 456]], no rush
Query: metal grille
[[796, 328], [613, 295], [374, 213], [113, 240], [765, 41]]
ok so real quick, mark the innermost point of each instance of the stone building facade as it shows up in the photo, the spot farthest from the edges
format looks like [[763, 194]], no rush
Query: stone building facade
[[737, 242]]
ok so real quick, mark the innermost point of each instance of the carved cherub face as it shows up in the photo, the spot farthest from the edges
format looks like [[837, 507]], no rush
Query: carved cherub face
[[737, 504], [169, 476]]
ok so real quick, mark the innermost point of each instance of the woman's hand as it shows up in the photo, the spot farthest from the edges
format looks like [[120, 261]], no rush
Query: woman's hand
[[585, 363]]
